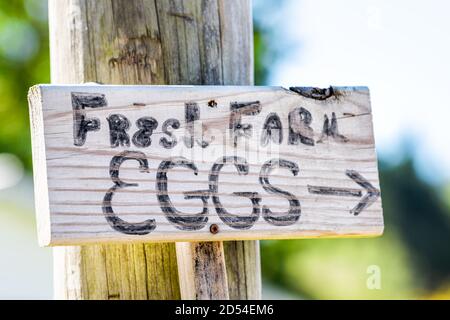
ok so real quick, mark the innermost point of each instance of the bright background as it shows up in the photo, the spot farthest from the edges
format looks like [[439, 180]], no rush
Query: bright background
[[397, 48]]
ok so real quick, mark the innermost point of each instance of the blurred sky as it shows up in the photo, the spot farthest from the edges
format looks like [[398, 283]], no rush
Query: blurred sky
[[399, 49]]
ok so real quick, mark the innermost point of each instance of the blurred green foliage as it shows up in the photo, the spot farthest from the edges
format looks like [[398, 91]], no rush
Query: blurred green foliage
[[261, 55], [24, 61], [269, 47], [412, 255]]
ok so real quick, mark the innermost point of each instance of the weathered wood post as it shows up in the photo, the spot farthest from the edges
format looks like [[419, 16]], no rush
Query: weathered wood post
[[154, 42]]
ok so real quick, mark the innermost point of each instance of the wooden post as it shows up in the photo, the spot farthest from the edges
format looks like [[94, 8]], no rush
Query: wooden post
[[154, 42]]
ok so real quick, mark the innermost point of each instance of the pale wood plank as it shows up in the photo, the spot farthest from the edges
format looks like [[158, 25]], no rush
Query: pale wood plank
[[328, 182], [203, 274]]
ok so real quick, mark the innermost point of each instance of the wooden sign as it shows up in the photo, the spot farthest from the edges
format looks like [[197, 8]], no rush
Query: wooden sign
[[201, 163]]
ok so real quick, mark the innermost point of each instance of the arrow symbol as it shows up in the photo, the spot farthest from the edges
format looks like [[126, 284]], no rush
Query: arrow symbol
[[366, 201]]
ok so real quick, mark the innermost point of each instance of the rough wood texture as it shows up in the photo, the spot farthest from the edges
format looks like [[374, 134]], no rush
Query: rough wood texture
[[307, 167], [148, 42], [132, 271], [203, 270]]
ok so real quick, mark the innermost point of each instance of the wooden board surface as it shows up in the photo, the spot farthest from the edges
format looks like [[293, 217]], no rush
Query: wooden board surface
[[200, 163]]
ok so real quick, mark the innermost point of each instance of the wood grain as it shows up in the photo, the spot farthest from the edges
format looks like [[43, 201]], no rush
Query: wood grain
[[333, 178], [148, 42], [204, 270]]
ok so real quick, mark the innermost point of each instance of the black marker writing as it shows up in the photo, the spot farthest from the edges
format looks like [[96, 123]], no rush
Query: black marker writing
[[81, 124], [181, 220], [142, 137], [172, 142], [192, 113], [294, 205], [140, 228], [331, 130], [272, 130], [234, 221], [299, 127], [118, 125], [238, 109]]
